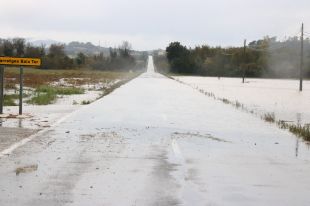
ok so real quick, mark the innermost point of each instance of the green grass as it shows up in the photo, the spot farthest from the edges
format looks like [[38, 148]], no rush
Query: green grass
[[9, 100], [39, 79], [45, 95], [60, 90], [43, 98]]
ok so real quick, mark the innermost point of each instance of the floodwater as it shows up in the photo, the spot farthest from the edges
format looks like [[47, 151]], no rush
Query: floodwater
[[155, 141], [281, 97]]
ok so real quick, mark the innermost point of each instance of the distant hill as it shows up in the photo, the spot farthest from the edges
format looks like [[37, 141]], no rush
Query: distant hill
[[46, 43], [73, 48]]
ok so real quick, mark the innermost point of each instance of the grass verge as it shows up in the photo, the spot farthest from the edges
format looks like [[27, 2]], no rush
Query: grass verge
[[45, 95], [9, 100], [269, 117], [38, 77]]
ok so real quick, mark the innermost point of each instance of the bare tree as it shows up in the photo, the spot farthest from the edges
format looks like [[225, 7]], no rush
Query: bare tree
[[19, 46], [125, 49]]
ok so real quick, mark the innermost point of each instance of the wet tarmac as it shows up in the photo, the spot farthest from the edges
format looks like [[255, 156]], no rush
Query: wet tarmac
[[154, 141]]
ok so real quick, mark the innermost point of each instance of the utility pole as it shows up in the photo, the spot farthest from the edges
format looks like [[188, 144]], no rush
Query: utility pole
[[301, 58], [244, 61]]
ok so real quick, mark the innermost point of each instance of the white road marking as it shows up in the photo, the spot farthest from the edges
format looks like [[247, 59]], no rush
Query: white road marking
[[22, 142]]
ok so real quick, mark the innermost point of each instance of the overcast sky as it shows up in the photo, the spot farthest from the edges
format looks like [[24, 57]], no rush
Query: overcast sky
[[152, 24]]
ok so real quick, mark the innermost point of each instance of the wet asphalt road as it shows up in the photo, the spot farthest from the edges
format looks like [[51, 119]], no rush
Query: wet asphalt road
[[155, 141]]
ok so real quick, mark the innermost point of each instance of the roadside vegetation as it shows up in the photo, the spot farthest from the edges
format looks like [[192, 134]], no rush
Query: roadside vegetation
[[67, 70], [269, 117], [267, 58], [43, 87], [47, 94], [9, 100], [121, 58], [302, 131]]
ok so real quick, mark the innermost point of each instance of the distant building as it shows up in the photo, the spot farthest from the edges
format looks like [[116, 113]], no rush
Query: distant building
[[161, 52]]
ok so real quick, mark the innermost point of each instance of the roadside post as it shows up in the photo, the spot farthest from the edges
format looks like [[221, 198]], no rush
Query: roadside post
[[301, 58], [244, 59], [14, 61], [21, 82], [1, 88]]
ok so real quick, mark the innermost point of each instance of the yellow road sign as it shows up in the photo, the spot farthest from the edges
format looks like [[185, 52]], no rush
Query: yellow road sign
[[20, 61]]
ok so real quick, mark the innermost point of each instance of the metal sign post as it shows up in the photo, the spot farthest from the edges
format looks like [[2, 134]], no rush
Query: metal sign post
[[15, 61], [1, 88], [21, 82]]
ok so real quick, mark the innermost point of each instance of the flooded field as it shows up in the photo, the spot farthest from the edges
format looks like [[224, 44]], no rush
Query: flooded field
[[259, 96]]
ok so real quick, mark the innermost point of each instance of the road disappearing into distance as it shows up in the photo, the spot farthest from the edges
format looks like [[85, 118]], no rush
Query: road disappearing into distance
[[155, 141]]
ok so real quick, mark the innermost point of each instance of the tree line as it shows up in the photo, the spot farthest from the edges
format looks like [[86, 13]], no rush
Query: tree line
[[267, 57], [55, 57]]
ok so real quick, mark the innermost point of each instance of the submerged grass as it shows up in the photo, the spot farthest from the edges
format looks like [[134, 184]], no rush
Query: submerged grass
[[60, 90], [45, 95], [269, 117], [85, 102], [9, 100], [40, 79], [43, 98], [299, 130], [302, 131]]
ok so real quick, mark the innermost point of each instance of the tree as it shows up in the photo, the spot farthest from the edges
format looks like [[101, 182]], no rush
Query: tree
[[19, 46], [8, 48], [36, 52], [113, 53], [56, 58], [179, 58], [56, 50], [80, 59], [125, 49]]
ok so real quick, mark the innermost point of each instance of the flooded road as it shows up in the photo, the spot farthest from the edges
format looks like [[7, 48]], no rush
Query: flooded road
[[155, 141], [260, 96]]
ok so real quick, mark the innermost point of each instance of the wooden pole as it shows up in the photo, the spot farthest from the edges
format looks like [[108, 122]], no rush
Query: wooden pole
[[244, 61], [301, 58]]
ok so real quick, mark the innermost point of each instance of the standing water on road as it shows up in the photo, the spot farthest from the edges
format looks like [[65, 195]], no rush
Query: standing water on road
[[261, 96], [155, 141], [150, 65]]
